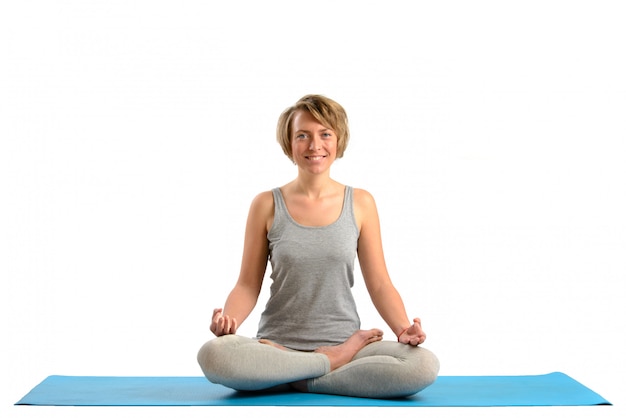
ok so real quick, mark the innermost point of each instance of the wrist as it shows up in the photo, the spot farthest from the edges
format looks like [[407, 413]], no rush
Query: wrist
[[402, 332]]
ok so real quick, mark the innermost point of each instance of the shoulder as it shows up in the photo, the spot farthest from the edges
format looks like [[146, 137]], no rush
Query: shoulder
[[263, 202], [365, 210], [263, 198], [363, 199], [262, 209]]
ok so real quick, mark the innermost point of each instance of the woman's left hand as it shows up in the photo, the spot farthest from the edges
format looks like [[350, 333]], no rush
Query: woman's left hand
[[413, 335]]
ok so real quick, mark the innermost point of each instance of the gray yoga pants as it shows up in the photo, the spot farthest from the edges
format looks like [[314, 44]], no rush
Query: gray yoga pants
[[383, 369]]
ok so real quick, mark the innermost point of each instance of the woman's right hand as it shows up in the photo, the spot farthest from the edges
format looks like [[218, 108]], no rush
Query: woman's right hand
[[222, 324]]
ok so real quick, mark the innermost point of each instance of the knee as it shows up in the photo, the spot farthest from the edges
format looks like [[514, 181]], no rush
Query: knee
[[211, 354], [429, 367], [204, 354], [423, 370]]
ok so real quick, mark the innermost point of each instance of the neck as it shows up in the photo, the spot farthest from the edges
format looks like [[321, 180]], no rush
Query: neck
[[314, 186]]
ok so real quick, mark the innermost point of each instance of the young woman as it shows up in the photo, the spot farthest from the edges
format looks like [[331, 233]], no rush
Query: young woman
[[311, 230]]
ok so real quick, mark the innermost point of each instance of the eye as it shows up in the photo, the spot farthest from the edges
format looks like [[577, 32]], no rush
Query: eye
[[327, 135], [301, 137]]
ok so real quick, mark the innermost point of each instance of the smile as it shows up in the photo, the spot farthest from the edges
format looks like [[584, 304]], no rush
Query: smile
[[315, 157]]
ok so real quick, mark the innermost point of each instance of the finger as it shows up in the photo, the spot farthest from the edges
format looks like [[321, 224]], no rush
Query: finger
[[221, 321], [417, 323], [215, 328], [217, 313], [227, 324], [407, 339]]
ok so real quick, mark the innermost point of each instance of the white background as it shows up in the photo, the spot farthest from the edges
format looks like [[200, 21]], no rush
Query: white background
[[134, 135]]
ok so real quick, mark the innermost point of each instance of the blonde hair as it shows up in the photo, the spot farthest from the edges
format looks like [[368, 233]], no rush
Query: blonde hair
[[326, 111]]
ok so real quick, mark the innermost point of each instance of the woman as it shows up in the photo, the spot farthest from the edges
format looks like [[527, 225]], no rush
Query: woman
[[311, 230]]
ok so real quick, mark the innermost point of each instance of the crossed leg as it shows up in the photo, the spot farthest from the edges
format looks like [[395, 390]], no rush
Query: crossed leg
[[246, 364]]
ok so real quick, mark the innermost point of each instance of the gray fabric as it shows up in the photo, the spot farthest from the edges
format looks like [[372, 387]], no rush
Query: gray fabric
[[384, 369], [311, 302], [243, 363]]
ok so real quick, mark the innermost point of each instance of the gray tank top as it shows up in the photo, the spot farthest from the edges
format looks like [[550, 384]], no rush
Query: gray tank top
[[311, 302]]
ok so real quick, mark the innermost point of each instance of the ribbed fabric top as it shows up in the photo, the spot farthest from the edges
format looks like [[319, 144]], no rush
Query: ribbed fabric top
[[311, 302]]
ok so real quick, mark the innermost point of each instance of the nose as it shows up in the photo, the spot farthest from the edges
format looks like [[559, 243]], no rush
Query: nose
[[316, 143]]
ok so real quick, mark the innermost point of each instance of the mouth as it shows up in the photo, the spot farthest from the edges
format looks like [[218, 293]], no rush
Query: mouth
[[315, 157]]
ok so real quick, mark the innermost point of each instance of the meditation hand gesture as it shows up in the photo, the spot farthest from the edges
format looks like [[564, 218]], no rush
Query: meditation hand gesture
[[413, 335], [222, 324]]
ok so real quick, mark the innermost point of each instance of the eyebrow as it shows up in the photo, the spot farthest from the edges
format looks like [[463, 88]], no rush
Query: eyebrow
[[319, 130]]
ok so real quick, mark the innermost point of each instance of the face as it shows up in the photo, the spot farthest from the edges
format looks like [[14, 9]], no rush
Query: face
[[313, 145]]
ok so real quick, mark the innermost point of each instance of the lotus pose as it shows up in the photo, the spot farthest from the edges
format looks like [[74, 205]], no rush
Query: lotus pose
[[311, 230]]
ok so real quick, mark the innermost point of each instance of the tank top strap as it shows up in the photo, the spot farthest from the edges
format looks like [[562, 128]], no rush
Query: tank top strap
[[348, 208], [280, 207]]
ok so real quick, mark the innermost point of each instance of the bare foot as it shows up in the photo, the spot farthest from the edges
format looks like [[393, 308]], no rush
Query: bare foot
[[341, 354], [272, 343]]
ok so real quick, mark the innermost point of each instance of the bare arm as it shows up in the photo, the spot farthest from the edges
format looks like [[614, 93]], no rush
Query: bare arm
[[383, 293], [243, 297]]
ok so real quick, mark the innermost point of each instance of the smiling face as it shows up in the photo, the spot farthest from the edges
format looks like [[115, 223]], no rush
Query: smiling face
[[325, 111], [313, 145]]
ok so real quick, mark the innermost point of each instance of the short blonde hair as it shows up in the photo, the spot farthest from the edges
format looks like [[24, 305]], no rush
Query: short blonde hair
[[327, 112]]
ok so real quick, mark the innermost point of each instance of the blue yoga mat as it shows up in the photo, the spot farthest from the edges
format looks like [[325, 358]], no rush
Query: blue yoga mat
[[554, 389]]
